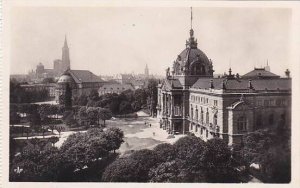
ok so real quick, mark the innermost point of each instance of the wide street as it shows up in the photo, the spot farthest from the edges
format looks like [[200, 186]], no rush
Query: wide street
[[139, 135]]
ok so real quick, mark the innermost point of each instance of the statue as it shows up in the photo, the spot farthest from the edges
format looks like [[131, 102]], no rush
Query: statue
[[168, 72]]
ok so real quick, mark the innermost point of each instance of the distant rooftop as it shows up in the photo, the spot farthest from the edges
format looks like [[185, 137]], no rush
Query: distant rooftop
[[260, 73]]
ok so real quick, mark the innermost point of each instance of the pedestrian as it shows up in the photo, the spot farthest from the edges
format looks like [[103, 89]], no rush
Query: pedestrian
[[150, 125]]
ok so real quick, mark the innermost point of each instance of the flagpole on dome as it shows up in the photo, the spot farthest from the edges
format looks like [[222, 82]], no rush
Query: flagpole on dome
[[191, 17]]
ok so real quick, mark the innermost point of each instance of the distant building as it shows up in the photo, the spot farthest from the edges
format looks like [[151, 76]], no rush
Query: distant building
[[81, 82], [59, 66], [114, 88], [50, 87], [190, 99]]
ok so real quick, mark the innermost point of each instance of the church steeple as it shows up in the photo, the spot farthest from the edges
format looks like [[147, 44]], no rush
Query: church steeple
[[65, 56]]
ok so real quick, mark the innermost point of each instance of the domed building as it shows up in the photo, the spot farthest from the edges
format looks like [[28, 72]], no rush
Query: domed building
[[191, 100], [80, 81]]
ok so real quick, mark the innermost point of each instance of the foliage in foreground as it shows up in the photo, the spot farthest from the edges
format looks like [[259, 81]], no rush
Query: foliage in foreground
[[189, 160], [82, 157], [270, 149]]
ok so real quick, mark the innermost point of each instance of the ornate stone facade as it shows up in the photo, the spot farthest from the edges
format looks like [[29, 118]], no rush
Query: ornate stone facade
[[191, 100]]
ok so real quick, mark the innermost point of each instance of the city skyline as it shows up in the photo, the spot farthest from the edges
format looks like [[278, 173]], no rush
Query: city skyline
[[242, 42]]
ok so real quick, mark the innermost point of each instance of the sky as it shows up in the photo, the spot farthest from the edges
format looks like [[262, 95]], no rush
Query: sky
[[116, 40]]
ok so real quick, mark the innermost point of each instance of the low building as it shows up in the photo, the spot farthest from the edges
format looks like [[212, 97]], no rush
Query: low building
[[50, 87], [114, 88]]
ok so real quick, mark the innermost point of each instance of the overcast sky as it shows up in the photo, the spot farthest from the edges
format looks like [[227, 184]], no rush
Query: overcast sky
[[123, 40]]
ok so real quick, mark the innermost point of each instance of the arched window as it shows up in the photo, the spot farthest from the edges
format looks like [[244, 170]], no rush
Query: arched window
[[271, 119], [215, 119], [242, 123], [207, 118], [197, 69]]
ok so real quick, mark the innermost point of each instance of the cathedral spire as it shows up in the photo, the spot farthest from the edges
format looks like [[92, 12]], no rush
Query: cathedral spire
[[66, 43], [65, 56]]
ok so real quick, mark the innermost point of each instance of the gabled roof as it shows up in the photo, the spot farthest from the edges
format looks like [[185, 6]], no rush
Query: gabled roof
[[81, 76], [260, 73]]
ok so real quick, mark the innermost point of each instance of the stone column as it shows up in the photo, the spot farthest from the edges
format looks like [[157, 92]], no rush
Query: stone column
[[172, 105], [183, 113]]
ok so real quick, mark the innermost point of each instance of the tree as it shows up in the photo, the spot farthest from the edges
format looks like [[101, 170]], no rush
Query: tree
[[105, 114], [59, 129], [68, 97], [165, 172], [125, 107], [152, 95], [35, 121], [92, 114], [165, 152], [82, 100], [218, 162], [53, 140], [82, 115], [14, 118], [190, 154], [134, 168], [271, 150], [115, 138], [121, 170]]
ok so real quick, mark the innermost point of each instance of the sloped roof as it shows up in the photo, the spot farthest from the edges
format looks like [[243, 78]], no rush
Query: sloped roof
[[172, 84], [260, 73], [81, 76], [239, 84]]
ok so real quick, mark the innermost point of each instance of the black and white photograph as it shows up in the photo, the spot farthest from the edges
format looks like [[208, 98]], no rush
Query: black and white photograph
[[150, 93]]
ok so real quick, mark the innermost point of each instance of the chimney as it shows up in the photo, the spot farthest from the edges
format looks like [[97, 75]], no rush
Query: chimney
[[250, 86], [287, 73]]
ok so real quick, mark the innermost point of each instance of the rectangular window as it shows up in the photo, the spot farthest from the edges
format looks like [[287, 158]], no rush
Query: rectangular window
[[258, 102], [215, 102], [266, 102], [206, 100], [278, 102], [272, 102]]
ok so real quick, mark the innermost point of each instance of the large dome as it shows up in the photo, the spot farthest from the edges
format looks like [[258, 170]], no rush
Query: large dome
[[190, 55], [192, 61], [65, 78]]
